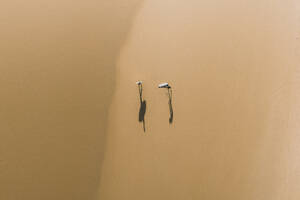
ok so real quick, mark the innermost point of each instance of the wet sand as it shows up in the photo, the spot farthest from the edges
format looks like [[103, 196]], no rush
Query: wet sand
[[57, 78]]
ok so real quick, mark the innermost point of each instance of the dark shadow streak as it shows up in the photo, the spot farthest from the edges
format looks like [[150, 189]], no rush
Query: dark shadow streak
[[143, 106], [170, 105]]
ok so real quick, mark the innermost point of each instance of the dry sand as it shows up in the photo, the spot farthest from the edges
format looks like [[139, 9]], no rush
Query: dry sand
[[234, 69]]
